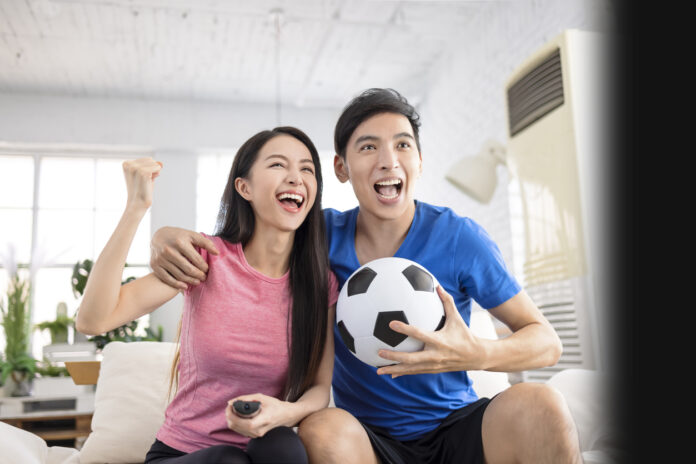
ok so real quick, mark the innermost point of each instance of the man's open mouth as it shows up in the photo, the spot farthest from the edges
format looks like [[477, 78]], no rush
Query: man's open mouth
[[389, 188]]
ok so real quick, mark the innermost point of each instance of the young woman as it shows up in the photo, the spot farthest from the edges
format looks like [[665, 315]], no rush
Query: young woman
[[258, 328]]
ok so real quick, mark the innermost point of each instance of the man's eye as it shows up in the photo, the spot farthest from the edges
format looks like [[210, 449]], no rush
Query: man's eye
[[404, 145], [367, 147]]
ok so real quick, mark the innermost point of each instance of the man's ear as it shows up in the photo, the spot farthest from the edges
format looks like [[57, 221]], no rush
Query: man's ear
[[340, 169], [242, 187]]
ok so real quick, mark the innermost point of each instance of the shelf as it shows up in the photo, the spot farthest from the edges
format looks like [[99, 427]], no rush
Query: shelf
[[54, 427]]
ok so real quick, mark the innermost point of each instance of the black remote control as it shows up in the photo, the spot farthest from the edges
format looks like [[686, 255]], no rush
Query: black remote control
[[246, 407]]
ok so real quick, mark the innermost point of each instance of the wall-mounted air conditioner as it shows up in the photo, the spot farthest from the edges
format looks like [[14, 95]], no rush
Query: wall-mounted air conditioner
[[556, 148]]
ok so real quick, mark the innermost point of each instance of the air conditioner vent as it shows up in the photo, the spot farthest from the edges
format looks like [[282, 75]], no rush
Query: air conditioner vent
[[536, 93]]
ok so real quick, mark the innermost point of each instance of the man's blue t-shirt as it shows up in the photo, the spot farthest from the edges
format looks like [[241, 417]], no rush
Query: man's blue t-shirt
[[468, 264]]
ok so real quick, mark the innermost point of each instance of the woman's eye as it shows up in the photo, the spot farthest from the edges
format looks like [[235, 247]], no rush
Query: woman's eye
[[309, 170], [276, 164]]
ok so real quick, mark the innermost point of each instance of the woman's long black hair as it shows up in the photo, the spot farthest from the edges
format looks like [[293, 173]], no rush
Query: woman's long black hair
[[309, 260]]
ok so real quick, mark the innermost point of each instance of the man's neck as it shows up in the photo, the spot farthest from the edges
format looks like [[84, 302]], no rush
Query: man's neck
[[376, 237]]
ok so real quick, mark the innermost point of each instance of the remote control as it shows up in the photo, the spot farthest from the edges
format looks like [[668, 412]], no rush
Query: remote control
[[246, 407]]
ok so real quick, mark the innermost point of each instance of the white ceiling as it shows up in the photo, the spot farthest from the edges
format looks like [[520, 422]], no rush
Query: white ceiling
[[227, 50]]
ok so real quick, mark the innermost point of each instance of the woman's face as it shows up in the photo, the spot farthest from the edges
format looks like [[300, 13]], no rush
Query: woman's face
[[281, 186]]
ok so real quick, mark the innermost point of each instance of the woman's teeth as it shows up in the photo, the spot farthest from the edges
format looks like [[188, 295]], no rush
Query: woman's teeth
[[292, 197]]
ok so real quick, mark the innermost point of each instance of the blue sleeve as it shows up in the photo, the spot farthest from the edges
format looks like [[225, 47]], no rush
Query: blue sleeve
[[480, 268]]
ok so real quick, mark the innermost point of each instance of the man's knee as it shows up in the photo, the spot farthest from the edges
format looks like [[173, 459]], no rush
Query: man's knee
[[334, 435], [328, 426], [535, 401], [536, 422], [548, 403]]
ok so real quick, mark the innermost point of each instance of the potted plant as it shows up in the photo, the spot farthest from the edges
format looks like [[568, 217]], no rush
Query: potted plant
[[58, 327], [18, 364]]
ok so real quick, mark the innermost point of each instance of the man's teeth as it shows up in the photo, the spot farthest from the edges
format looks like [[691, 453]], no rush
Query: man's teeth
[[388, 189], [291, 196], [389, 182]]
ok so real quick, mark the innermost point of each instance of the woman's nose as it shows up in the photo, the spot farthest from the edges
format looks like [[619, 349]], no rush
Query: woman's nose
[[294, 177]]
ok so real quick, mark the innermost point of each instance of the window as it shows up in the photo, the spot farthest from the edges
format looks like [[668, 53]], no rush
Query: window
[[56, 211], [212, 172], [214, 169]]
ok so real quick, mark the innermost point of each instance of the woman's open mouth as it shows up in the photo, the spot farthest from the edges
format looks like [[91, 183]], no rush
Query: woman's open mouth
[[290, 201]]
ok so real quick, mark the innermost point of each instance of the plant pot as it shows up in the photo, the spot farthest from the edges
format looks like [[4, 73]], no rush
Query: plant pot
[[18, 384], [58, 386], [59, 335]]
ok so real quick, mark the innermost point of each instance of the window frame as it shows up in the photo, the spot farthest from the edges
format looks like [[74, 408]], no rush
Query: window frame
[[39, 152]]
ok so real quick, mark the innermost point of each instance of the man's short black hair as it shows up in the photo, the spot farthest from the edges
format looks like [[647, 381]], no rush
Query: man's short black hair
[[367, 104]]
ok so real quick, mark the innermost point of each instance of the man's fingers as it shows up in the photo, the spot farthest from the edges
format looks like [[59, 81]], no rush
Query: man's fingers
[[411, 331], [176, 261], [451, 312], [184, 276], [195, 265], [203, 242], [405, 357], [397, 370], [167, 278]]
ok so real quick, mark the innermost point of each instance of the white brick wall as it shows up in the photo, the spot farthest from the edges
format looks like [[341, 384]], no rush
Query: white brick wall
[[465, 101]]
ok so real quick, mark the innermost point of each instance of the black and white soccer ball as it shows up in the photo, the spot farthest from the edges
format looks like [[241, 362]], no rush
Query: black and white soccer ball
[[379, 292]]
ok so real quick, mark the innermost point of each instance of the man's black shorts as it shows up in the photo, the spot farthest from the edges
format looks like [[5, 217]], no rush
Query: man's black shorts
[[456, 440]]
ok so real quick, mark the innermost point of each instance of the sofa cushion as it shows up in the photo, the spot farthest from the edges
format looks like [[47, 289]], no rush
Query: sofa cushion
[[130, 400], [585, 393], [20, 446]]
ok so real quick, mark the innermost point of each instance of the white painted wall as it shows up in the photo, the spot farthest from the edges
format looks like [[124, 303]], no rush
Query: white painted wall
[[174, 131], [463, 107]]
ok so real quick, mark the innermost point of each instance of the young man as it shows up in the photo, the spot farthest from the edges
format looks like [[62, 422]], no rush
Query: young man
[[422, 408]]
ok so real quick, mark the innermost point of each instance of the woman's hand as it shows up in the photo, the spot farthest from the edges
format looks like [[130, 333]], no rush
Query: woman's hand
[[452, 348], [140, 175], [271, 413]]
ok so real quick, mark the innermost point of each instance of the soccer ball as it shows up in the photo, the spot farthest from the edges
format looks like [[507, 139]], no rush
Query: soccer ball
[[376, 294]]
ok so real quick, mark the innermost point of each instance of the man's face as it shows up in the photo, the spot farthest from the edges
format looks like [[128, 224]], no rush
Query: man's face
[[382, 162]]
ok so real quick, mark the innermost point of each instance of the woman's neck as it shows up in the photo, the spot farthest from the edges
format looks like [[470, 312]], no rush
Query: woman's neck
[[268, 251]]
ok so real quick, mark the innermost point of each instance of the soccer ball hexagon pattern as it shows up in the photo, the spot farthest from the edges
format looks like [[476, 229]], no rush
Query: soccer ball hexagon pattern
[[379, 292]]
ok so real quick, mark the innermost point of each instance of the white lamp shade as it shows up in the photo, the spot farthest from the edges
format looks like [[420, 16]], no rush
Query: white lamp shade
[[475, 176]]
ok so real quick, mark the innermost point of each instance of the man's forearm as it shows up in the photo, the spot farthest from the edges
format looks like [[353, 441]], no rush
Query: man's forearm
[[531, 347]]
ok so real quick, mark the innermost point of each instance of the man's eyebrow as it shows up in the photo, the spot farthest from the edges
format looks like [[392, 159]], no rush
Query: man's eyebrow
[[404, 134], [364, 138]]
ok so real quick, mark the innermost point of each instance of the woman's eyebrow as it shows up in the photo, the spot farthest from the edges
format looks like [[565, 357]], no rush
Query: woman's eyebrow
[[283, 157]]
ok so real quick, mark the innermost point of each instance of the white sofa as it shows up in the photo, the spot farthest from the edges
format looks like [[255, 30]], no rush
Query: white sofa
[[131, 396]]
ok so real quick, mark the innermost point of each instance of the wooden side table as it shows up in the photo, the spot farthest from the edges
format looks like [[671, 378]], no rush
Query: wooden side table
[[61, 420], [53, 428]]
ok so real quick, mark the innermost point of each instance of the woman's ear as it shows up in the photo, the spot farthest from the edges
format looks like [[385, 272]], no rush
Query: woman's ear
[[341, 169], [243, 188]]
